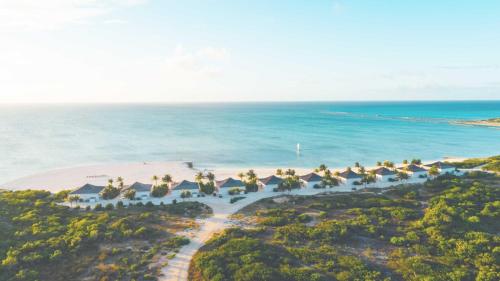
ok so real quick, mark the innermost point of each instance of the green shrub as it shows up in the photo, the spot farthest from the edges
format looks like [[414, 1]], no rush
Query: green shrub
[[235, 199]]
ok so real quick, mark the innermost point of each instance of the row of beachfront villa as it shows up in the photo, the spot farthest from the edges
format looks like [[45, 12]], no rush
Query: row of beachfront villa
[[348, 180]]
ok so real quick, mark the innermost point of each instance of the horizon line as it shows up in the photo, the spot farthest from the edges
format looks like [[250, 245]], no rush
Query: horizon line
[[240, 102]]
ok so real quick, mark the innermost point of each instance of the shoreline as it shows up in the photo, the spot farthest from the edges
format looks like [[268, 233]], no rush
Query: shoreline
[[493, 122], [73, 177]]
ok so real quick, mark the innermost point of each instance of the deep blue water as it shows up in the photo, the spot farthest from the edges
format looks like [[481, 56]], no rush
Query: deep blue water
[[37, 138]]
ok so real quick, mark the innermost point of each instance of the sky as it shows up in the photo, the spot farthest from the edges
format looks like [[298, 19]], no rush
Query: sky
[[89, 51]]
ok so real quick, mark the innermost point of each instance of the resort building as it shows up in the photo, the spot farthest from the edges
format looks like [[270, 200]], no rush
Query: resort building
[[310, 180], [142, 190], [269, 183], [229, 183], [88, 192], [385, 175], [185, 185], [415, 171], [348, 177], [442, 167]]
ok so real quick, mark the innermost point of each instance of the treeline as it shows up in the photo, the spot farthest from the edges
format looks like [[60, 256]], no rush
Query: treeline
[[42, 240], [445, 229]]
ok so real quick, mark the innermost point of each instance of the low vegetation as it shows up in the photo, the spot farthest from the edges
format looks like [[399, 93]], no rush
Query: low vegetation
[[41, 240], [486, 164], [445, 229]]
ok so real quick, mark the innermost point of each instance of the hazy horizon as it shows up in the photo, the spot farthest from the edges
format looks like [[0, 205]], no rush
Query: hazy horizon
[[244, 102]]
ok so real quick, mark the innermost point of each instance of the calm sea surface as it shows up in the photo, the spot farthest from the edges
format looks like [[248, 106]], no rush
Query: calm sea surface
[[37, 138]]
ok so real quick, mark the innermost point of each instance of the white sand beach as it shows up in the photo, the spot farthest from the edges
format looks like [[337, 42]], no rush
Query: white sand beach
[[70, 178]]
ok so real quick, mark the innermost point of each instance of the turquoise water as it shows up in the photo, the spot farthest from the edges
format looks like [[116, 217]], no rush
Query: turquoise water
[[37, 138]]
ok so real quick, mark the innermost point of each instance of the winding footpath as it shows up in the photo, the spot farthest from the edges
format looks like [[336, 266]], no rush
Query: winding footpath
[[178, 267]]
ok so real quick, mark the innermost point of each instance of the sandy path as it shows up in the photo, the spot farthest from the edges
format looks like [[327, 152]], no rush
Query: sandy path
[[178, 267]]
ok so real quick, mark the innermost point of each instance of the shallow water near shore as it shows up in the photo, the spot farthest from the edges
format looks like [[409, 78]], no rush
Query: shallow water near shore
[[36, 138]]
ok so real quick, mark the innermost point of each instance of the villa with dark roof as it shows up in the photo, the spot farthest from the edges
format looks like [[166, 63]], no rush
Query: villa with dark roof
[[88, 192], [383, 174], [310, 180], [142, 190], [348, 177], [269, 183], [184, 185], [414, 170], [229, 183], [442, 167]]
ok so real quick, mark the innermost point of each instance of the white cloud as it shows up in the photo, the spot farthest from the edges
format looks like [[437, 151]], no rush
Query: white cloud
[[206, 61], [29, 15]]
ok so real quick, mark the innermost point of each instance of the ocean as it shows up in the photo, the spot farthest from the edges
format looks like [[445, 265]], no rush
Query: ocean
[[37, 138]]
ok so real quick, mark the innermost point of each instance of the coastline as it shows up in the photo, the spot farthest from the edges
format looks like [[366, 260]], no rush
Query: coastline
[[70, 178], [493, 122]]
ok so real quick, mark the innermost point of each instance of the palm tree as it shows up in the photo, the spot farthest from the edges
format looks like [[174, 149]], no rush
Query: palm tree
[[388, 164], [369, 178], [279, 172], [379, 163], [110, 182], [155, 179], [322, 167], [120, 182], [167, 178], [290, 172], [402, 176], [129, 194], [199, 177], [416, 161], [210, 176], [356, 165], [73, 198], [362, 170], [433, 171], [251, 174], [241, 176], [405, 162]]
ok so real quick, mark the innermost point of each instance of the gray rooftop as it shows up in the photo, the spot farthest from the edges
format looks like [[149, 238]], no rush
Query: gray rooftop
[[349, 174], [271, 180], [185, 184], [311, 177], [440, 165], [88, 189], [141, 187], [413, 168], [229, 182], [383, 171]]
